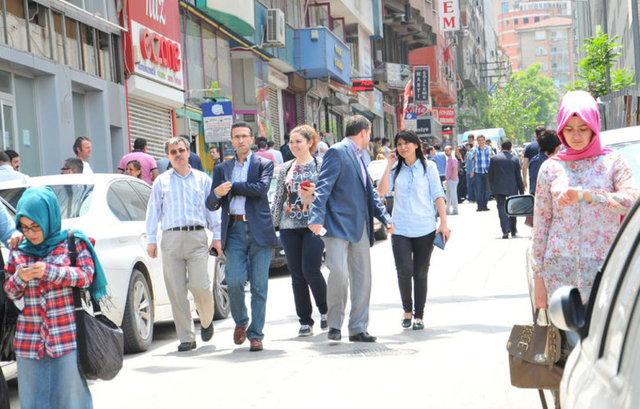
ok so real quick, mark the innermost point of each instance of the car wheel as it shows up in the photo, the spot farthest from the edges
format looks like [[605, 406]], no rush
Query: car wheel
[[381, 233], [220, 295], [137, 323]]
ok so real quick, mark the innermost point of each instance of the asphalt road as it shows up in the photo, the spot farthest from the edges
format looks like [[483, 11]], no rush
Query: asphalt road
[[477, 291]]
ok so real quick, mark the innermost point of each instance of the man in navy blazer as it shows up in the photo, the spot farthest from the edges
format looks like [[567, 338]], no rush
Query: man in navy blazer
[[240, 187], [344, 205], [505, 180]]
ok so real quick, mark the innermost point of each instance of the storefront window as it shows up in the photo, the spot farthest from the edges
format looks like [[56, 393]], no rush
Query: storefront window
[[28, 141], [193, 58], [79, 114], [16, 25], [217, 62], [262, 99]]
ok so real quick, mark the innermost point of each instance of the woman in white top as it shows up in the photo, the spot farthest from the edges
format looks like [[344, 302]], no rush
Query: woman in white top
[[416, 185]]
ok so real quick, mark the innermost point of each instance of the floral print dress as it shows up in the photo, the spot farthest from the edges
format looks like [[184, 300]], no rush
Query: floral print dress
[[570, 243]]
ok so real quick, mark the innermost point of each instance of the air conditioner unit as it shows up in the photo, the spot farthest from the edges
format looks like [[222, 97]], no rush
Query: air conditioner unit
[[275, 28]]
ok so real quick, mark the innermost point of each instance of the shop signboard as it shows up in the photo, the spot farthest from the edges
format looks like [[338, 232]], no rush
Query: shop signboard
[[217, 118], [418, 118], [446, 116], [154, 41], [421, 85], [397, 75]]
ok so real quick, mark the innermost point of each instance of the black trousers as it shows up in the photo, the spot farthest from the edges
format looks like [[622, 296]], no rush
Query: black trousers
[[412, 257], [303, 250]]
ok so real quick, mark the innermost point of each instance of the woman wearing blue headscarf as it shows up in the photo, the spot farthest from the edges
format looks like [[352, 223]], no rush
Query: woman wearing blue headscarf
[[39, 272]]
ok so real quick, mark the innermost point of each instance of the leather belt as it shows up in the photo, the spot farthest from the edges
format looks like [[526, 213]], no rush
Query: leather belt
[[186, 228], [239, 217]]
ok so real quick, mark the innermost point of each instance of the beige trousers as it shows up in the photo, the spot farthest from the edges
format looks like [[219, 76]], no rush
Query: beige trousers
[[184, 263]]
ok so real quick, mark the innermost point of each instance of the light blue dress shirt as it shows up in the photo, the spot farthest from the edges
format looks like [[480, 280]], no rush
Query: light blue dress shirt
[[178, 201], [415, 191], [7, 225], [239, 174]]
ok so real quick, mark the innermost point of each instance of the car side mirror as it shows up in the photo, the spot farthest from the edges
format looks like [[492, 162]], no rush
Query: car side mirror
[[567, 311], [519, 205]]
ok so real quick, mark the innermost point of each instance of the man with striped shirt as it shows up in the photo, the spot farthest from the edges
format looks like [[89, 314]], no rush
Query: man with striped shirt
[[481, 155], [177, 202]]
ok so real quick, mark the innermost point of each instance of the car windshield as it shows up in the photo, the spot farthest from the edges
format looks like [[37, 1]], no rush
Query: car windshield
[[631, 152], [74, 200]]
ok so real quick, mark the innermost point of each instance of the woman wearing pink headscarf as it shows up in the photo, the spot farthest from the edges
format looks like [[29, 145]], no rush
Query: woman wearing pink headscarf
[[581, 194]]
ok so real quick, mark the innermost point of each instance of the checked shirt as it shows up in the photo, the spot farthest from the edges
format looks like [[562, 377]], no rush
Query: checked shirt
[[47, 322]]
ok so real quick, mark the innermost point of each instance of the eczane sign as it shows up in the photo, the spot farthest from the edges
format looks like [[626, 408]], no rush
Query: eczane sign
[[449, 15]]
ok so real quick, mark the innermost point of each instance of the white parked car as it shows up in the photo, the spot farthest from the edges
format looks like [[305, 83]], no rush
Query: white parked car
[[111, 209]]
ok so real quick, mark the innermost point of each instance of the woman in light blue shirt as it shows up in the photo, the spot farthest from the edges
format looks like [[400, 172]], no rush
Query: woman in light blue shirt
[[416, 185]]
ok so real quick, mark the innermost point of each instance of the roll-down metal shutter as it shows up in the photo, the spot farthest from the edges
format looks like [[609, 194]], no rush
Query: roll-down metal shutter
[[274, 115], [151, 122]]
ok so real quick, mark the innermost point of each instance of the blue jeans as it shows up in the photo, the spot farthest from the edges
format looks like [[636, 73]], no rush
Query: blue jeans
[[51, 383], [304, 258], [481, 184], [247, 260], [471, 192]]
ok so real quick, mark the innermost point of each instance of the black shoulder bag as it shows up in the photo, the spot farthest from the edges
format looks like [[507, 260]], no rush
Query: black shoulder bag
[[100, 341]]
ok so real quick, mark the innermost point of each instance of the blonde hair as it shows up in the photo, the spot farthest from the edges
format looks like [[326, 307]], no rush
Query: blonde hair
[[307, 133]]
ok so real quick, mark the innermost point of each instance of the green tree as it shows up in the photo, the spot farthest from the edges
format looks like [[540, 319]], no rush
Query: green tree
[[526, 101], [602, 53], [473, 109], [539, 87], [515, 109]]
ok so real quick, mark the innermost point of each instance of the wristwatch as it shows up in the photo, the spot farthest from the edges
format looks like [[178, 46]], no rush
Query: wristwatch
[[580, 194]]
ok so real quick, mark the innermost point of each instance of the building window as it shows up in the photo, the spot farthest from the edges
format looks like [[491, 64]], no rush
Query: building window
[[192, 55], [505, 7], [525, 20], [79, 114], [545, 67], [16, 25], [536, 19], [541, 35], [541, 51], [74, 55], [89, 51], [515, 21]]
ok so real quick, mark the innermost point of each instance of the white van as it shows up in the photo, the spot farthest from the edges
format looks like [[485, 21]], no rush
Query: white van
[[497, 136]]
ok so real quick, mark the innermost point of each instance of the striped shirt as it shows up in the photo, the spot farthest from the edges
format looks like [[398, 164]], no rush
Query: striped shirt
[[47, 324], [178, 201]]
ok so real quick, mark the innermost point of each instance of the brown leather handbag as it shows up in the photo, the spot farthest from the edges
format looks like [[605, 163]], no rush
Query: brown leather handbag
[[534, 352]]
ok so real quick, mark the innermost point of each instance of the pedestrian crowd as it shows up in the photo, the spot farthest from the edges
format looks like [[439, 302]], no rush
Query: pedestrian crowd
[[324, 205]]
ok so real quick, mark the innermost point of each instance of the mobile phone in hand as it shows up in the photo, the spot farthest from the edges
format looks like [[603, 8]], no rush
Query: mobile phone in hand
[[213, 252], [439, 241]]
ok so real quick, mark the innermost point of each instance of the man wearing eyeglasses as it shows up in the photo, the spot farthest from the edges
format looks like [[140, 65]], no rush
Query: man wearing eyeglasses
[[240, 187], [177, 202]]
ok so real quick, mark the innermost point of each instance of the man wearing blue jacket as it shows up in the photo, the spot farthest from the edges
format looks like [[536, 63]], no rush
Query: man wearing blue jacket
[[343, 210]]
